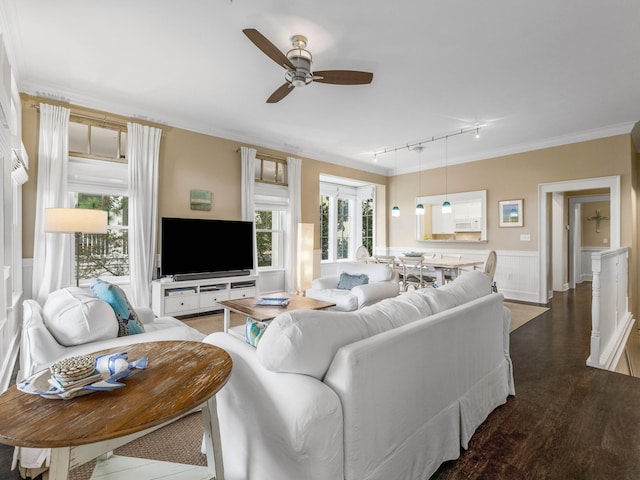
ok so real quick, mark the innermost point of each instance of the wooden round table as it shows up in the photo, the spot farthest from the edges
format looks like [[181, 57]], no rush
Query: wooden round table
[[180, 376]]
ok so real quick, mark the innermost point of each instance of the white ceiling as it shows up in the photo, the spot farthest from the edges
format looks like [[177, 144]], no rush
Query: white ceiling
[[531, 73]]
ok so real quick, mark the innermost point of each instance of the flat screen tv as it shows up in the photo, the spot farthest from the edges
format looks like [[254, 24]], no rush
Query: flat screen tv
[[205, 248]]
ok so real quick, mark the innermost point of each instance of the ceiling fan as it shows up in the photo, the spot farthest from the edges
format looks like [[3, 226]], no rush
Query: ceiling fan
[[297, 63]]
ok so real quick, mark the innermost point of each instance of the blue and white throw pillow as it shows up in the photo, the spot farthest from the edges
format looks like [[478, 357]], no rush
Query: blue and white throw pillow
[[128, 322], [253, 331]]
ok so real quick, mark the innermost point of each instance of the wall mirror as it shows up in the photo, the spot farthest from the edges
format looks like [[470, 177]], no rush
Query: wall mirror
[[466, 222]]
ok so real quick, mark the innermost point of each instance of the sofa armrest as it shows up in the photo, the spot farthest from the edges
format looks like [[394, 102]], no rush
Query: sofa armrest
[[145, 314], [288, 425], [371, 293], [323, 283]]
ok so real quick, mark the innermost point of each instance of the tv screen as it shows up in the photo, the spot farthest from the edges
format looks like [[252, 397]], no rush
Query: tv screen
[[196, 246]]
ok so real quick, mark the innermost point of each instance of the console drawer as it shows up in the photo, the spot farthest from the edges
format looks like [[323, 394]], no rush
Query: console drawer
[[180, 303], [211, 299]]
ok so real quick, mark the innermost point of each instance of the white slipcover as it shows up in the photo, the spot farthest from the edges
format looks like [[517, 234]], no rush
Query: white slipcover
[[403, 391]]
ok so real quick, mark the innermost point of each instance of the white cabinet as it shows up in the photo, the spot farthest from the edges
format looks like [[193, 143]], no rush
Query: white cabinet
[[441, 222], [198, 296]]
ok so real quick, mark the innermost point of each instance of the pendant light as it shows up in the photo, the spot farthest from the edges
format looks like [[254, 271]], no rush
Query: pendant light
[[395, 211], [419, 206], [446, 205]]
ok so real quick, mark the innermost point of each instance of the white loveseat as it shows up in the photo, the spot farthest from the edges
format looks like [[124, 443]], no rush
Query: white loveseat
[[79, 323], [74, 322], [382, 282], [386, 392]]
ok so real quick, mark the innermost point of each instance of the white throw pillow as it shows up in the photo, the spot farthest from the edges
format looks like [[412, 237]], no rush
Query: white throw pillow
[[305, 341], [75, 317]]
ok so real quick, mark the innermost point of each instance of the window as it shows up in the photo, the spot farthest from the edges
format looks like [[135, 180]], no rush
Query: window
[[98, 178], [271, 214], [105, 254], [103, 142], [270, 238], [342, 229], [324, 226], [346, 220], [271, 170], [367, 224]]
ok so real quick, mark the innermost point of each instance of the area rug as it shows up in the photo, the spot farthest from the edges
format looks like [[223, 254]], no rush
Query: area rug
[[178, 442], [522, 313], [213, 323]]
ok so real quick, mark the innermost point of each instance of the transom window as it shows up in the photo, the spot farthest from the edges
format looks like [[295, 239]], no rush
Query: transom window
[[103, 142], [271, 170]]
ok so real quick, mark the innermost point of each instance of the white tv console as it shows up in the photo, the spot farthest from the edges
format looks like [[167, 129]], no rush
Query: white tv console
[[198, 296]]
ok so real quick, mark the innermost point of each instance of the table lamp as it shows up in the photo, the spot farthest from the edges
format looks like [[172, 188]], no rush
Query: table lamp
[[77, 221]]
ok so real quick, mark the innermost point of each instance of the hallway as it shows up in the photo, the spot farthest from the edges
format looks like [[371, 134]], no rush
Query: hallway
[[567, 420]]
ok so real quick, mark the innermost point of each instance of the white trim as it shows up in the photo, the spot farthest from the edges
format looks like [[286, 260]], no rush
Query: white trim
[[612, 183]]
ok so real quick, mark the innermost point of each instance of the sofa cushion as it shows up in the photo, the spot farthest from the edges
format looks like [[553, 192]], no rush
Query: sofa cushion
[[128, 322], [377, 272], [348, 281], [305, 341], [468, 286], [74, 317]]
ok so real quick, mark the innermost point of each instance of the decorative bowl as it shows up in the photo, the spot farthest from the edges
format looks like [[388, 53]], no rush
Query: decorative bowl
[[108, 369]]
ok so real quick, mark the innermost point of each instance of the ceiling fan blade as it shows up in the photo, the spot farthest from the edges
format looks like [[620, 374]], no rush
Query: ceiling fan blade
[[280, 93], [268, 48], [342, 77]]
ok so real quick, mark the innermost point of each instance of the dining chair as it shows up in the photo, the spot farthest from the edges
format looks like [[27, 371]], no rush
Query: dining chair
[[413, 273], [450, 274], [490, 269]]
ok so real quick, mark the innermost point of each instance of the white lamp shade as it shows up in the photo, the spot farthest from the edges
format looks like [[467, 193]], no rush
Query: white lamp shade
[[73, 220]]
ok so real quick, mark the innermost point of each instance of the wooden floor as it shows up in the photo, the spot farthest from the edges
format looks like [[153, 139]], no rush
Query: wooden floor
[[566, 422]]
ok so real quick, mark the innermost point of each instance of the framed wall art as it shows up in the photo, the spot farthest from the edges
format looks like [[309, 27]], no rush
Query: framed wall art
[[511, 213], [200, 200]]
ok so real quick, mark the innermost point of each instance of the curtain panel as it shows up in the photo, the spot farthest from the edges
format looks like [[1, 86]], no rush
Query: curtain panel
[[53, 152], [294, 167], [143, 153]]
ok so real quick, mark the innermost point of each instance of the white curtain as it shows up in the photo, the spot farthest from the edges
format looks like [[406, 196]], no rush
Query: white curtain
[[294, 166], [248, 182], [143, 152], [53, 152], [248, 192]]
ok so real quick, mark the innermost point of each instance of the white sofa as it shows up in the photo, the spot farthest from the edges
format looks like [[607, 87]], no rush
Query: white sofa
[[382, 282], [74, 322], [386, 392], [84, 324]]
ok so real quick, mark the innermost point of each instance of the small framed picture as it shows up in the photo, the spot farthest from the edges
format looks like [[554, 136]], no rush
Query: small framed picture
[[200, 200], [511, 213]]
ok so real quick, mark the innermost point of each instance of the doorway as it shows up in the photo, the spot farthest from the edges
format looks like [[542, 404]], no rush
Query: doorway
[[545, 223]]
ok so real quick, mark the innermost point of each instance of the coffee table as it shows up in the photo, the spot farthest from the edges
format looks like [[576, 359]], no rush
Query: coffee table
[[180, 376], [247, 306]]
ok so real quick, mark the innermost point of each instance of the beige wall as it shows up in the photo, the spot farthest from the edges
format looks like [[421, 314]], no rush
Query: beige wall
[[591, 237], [514, 177], [190, 160]]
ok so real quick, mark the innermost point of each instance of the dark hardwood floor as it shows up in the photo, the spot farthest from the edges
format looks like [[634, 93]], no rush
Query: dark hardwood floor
[[566, 422]]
